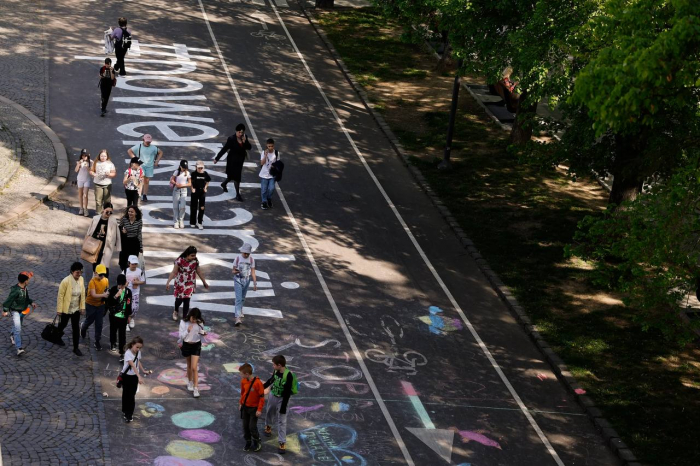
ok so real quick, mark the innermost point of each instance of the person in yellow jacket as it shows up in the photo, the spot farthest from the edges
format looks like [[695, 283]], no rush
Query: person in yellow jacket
[[71, 302]]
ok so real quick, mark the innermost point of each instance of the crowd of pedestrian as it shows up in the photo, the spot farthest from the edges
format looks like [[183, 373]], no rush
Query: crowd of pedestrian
[[107, 235]]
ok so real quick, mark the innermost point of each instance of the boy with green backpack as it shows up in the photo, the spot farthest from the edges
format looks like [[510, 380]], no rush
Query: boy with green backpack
[[280, 386]]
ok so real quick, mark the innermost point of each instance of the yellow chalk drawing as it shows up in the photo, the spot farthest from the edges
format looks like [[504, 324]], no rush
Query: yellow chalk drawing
[[190, 450]]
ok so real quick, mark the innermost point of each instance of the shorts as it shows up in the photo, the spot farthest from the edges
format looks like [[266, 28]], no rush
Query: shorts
[[191, 349], [84, 183], [147, 170]]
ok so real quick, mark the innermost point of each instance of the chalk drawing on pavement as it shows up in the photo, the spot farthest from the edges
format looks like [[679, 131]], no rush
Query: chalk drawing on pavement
[[193, 420], [438, 324], [200, 435], [329, 443], [190, 450], [175, 461], [290, 285]]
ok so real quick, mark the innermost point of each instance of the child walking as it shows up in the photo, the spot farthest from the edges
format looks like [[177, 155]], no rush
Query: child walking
[[132, 376], [190, 343], [200, 184], [279, 386], [251, 405], [119, 308], [135, 277], [133, 180], [17, 304], [267, 181], [180, 181], [243, 270]]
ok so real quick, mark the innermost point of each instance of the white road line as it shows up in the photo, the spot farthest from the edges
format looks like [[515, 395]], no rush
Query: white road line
[[427, 262], [309, 255]]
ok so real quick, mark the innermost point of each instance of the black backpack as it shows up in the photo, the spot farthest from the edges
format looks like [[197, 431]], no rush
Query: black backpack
[[277, 167], [125, 42]]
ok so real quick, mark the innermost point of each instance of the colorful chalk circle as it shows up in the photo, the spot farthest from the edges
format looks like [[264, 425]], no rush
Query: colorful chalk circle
[[200, 435], [290, 285], [190, 450], [175, 461], [160, 390], [193, 420]]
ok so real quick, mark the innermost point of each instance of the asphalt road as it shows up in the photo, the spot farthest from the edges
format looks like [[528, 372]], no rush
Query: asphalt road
[[404, 353]]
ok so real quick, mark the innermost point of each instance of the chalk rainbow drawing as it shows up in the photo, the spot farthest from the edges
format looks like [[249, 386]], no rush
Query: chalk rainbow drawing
[[468, 435], [328, 443], [440, 325], [192, 419], [175, 461], [201, 435], [190, 450]]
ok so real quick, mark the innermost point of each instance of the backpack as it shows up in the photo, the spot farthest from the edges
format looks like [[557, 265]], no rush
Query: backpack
[[277, 167], [125, 42], [295, 382]]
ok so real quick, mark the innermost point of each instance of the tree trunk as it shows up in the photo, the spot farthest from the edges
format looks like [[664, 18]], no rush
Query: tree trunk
[[522, 126], [627, 177], [446, 58], [324, 3]]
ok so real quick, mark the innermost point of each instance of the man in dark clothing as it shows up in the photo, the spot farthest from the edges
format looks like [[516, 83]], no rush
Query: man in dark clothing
[[200, 184], [108, 79], [280, 388], [119, 48], [236, 146]]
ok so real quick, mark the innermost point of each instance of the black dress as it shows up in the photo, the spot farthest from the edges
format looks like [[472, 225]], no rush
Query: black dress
[[236, 157]]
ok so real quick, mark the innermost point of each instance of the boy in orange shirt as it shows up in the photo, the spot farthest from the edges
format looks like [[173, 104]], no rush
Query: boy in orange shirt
[[251, 405]]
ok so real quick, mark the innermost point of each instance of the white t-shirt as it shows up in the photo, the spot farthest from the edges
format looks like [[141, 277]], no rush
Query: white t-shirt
[[244, 265], [84, 172], [134, 275], [182, 178], [192, 336], [102, 169], [271, 158], [129, 356]]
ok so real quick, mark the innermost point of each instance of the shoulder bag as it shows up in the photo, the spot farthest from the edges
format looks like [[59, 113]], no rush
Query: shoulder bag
[[120, 377], [90, 249], [51, 333]]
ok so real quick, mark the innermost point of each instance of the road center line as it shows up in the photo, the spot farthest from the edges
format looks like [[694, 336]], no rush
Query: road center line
[[427, 262], [309, 255]]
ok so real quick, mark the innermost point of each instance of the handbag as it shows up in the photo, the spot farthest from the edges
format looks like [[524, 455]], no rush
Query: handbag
[[90, 249], [120, 377], [246, 395], [277, 167], [51, 333]]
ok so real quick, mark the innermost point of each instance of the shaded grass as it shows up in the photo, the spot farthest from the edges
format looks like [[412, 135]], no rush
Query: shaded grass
[[521, 218]]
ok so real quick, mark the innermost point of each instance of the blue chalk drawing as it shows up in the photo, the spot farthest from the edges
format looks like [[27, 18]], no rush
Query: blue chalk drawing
[[328, 443]]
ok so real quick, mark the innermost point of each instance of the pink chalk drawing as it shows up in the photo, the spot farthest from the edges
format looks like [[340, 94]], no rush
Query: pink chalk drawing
[[175, 461], [201, 435], [542, 376], [580, 391], [305, 409], [179, 377], [468, 435]]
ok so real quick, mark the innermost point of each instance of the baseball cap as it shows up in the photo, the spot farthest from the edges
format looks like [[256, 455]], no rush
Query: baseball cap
[[101, 269], [147, 138], [246, 248], [28, 274], [184, 164], [136, 160], [84, 151], [133, 259], [200, 163]]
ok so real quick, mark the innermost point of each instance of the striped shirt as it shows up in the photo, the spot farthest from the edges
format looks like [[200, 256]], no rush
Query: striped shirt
[[133, 230]]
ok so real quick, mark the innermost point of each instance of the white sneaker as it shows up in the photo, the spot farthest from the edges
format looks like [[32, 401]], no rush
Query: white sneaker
[[176, 225], [182, 224], [201, 227], [190, 386], [196, 393], [128, 329], [132, 324], [80, 212]]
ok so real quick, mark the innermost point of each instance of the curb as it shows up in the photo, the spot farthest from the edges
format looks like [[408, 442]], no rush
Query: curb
[[611, 437], [59, 179]]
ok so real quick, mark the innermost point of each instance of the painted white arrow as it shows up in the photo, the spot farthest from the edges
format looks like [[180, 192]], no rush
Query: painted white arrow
[[439, 440]]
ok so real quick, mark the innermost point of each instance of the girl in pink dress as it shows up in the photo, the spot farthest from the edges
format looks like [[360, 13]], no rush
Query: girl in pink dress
[[185, 272]]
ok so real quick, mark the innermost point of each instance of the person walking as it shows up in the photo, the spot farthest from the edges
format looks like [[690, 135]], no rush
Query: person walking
[[71, 303], [135, 277], [185, 272], [108, 79], [251, 405], [279, 386], [103, 171], [18, 304], [82, 168], [267, 181], [180, 181], [133, 180], [190, 342], [94, 305], [131, 235], [122, 42], [150, 156], [119, 308], [243, 271], [236, 146], [131, 376], [104, 227], [200, 184]]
